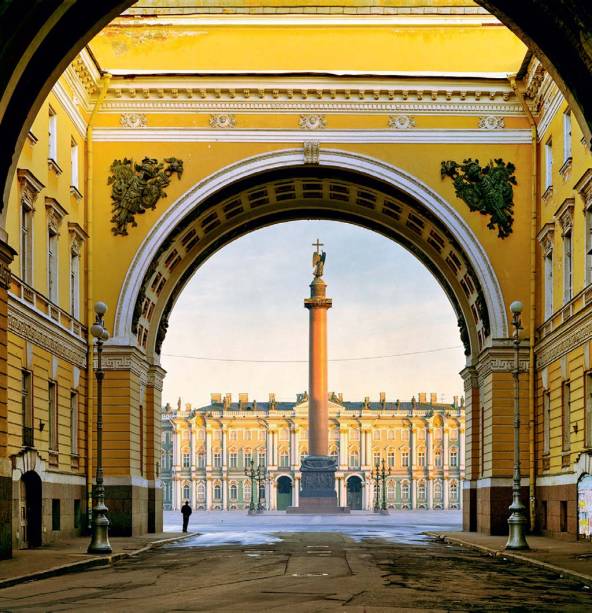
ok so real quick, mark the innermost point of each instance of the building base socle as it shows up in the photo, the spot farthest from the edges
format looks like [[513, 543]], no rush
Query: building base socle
[[317, 493]]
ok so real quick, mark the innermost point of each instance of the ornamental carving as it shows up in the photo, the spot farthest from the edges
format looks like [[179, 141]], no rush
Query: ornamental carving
[[30, 187], [312, 122], [564, 215], [546, 238], [311, 153], [224, 120], [133, 120], [401, 122], [55, 214], [486, 189], [491, 122], [138, 187]]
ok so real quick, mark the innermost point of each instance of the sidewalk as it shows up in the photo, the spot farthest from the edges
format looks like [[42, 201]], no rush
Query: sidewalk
[[70, 556], [567, 558]]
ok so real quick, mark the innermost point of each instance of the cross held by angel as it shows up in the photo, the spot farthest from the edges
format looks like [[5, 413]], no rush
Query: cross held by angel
[[318, 259]]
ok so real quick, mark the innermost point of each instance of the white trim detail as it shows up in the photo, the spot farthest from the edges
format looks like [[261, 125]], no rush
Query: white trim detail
[[369, 166], [548, 115], [70, 108], [501, 482], [550, 480], [432, 136]]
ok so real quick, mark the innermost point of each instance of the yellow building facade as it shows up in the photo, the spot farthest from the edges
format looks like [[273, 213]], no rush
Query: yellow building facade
[[243, 120], [206, 452]]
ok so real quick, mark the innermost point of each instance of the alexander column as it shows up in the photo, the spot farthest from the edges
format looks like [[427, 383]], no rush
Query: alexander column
[[317, 493]]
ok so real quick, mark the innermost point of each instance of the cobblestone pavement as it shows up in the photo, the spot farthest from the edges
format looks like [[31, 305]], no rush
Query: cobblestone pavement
[[305, 571]]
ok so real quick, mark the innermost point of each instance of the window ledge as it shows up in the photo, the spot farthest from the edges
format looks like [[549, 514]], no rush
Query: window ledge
[[53, 165], [565, 170], [75, 192], [548, 193], [32, 138]]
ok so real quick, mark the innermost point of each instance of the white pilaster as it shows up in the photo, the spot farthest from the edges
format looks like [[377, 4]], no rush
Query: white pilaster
[[445, 490], [294, 463], [209, 451], [209, 495]]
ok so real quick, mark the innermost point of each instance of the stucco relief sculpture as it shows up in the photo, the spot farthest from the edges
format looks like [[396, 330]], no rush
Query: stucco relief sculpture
[[138, 187], [486, 189]]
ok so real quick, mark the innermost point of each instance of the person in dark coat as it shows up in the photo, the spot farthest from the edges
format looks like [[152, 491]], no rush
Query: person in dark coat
[[186, 512]]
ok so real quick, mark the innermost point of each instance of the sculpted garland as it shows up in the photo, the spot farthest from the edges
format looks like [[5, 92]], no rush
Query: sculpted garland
[[486, 189], [138, 187]]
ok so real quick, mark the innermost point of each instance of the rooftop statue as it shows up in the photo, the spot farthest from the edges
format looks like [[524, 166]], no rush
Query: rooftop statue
[[318, 259]]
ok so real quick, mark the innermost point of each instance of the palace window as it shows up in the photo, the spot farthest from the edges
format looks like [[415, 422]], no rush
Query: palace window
[[285, 434], [565, 416], [75, 282], [26, 254], [52, 142], [233, 435], [261, 458], [52, 264], [405, 459], [390, 458], [201, 460], [548, 164], [74, 422], [547, 420], [567, 267], [376, 435], [303, 435], [355, 434], [247, 490], [438, 458], [247, 456], [233, 459], [247, 435], [333, 455], [376, 458], [453, 458], [567, 153], [405, 434], [186, 460], [334, 434], [548, 283], [217, 492], [421, 490], [217, 435], [391, 435], [233, 491], [217, 460], [405, 490], [52, 390], [187, 492], [454, 490], [390, 489], [354, 459], [438, 490], [74, 164], [284, 459], [201, 491], [421, 458]]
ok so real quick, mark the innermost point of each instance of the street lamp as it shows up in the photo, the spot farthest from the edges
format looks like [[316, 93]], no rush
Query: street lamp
[[375, 474], [100, 536], [262, 477], [517, 520], [383, 475], [252, 474]]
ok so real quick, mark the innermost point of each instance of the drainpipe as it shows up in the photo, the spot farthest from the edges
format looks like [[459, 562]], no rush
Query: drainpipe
[[88, 227], [532, 314]]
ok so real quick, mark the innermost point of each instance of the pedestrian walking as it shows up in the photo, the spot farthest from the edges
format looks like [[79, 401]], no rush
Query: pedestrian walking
[[186, 512]]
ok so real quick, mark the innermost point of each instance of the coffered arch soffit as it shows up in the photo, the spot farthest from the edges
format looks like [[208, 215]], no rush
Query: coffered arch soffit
[[280, 186]]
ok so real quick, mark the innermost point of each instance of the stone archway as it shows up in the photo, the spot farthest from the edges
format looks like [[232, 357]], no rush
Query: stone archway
[[354, 493], [284, 494]]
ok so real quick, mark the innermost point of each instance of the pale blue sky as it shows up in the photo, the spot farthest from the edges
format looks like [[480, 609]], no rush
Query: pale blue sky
[[246, 302]]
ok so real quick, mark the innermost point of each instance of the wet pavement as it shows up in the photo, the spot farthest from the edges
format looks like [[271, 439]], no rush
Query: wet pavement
[[306, 570]]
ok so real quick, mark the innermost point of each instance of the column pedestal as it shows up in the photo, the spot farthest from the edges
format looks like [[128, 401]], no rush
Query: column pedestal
[[317, 487]]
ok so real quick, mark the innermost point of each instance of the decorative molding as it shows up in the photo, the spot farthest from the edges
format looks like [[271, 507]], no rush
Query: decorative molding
[[30, 187], [32, 138], [222, 121], [431, 136], [74, 191], [546, 238], [565, 170], [69, 107], [77, 237], [401, 122], [547, 194], [564, 215], [584, 188], [550, 110], [561, 343], [133, 120], [54, 166], [312, 122], [156, 376], [55, 213], [38, 329], [491, 122], [311, 152], [126, 358]]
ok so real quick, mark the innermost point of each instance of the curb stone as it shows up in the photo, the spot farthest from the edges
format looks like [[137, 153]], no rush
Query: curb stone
[[502, 553], [95, 562]]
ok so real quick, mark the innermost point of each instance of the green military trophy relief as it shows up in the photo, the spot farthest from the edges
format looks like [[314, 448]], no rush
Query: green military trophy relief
[[486, 189], [138, 187]]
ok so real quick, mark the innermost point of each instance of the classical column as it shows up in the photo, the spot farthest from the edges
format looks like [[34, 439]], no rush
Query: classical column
[[208, 492], [318, 403], [343, 461], [208, 449], [293, 448]]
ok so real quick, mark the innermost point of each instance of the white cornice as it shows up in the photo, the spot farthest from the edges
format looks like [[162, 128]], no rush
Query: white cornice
[[432, 136], [70, 108], [549, 113]]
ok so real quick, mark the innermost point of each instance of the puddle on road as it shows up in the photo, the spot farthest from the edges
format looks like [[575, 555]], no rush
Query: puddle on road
[[213, 539]]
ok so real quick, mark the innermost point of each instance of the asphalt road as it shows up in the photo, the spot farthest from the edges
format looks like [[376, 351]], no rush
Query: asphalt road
[[305, 571]]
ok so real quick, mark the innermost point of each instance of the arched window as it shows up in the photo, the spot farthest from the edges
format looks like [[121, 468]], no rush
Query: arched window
[[405, 459], [354, 458], [390, 489], [438, 458], [376, 435], [421, 457], [217, 459], [453, 458], [334, 434], [405, 490], [233, 459], [201, 491], [438, 489], [261, 458], [186, 492], [233, 491], [247, 490], [391, 435], [217, 492], [453, 490], [421, 490], [333, 454], [247, 456], [284, 459]]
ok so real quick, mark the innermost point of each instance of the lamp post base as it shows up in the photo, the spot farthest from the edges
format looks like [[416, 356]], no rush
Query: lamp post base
[[100, 537], [516, 529]]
